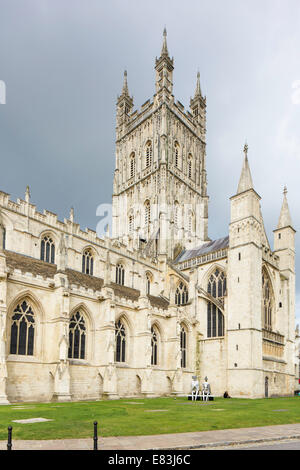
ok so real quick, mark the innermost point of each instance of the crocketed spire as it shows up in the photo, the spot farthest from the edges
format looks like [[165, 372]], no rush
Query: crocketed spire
[[285, 216], [245, 182], [198, 88], [164, 50]]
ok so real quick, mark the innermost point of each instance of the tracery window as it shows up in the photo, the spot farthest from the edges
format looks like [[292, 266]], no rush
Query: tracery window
[[215, 319], [267, 300], [154, 347], [77, 336], [181, 294], [120, 274], [183, 345], [22, 330], [148, 154], [120, 333], [88, 262], [47, 249]]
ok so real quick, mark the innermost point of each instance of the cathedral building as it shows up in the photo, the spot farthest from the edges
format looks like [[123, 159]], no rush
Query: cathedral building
[[138, 313]]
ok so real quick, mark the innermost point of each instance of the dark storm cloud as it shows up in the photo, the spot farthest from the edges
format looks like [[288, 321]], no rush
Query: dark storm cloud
[[63, 61]]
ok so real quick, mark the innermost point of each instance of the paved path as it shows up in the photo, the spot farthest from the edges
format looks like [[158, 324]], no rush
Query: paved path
[[191, 440]]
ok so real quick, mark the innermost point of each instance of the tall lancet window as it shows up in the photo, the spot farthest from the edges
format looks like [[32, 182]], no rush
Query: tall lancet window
[[267, 301], [183, 345], [154, 347], [148, 283], [132, 165], [176, 214], [215, 319], [47, 249], [120, 342], [87, 262], [22, 330], [77, 336], [148, 153]]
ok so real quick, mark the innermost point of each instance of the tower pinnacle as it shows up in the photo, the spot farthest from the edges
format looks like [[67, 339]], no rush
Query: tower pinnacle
[[285, 216], [164, 50], [245, 182]]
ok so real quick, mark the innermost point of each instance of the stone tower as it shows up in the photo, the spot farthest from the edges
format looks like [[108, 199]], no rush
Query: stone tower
[[159, 196], [244, 324]]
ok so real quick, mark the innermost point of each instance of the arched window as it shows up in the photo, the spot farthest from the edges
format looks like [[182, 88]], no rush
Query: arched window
[[47, 249], [120, 274], [148, 283], [176, 154], [181, 294], [120, 342], [190, 163], [147, 213], [77, 336], [87, 262], [132, 165], [183, 345], [148, 154], [154, 347], [22, 330], [267, 301], [215, 319]]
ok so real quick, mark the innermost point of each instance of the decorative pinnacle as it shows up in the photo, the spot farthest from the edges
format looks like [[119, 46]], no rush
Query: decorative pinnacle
[[285, 191], [164, 50], [246, 150], [198, 88], [125, 85], [27, 194]]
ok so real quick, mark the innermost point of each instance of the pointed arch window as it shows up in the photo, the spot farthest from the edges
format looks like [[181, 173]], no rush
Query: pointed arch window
[[77, 336], [183, 345], [22, 330], [120, 274], [88, 262], [215, 319], [148, 283], [181, 294], [267, 301], [120, 333], [148, 154], [154, 347], [132, 165], [48, 249]]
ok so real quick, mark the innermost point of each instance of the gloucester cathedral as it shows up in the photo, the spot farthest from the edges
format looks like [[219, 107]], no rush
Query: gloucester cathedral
[[155, 302]]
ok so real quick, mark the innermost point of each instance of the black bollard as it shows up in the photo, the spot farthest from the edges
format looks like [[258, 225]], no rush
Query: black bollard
[[95, 436], [9, 444]]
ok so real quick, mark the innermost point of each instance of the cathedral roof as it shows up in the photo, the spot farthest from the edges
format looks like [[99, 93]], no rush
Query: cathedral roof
[[209, 247]]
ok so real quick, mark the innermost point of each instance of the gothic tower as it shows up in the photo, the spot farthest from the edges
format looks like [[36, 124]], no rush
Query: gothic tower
[[159, 198]]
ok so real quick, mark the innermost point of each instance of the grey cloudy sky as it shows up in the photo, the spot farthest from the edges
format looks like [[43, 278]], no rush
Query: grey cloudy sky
[[63, 61]]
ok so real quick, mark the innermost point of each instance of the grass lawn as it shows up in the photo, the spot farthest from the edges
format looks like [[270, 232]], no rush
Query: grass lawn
[[133, 417]]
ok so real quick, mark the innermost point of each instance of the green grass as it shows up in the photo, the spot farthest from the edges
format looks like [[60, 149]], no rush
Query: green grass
[[118, 418]]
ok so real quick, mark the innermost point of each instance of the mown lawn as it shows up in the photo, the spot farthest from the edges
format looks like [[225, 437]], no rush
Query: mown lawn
[[133, 417]]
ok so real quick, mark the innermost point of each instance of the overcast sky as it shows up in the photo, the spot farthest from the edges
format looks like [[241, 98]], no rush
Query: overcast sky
[[63, 60]]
